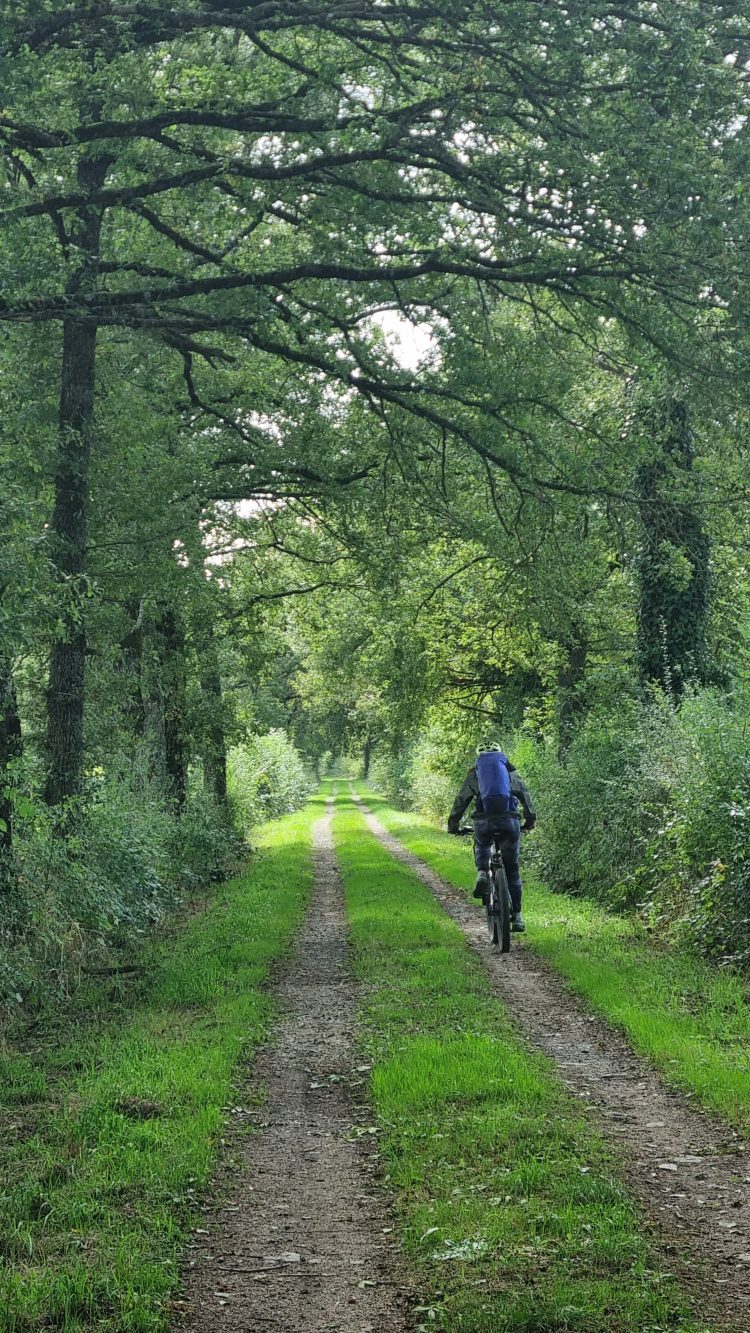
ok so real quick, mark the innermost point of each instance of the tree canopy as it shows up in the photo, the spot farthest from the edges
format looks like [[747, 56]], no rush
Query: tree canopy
[[364, 368]]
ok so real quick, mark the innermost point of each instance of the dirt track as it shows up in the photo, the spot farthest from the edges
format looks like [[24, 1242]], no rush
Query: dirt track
[[690, 1173], [297, 1241]]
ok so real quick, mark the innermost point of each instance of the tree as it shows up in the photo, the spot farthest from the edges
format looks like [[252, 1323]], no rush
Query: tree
[[209, 175], [674, 568]]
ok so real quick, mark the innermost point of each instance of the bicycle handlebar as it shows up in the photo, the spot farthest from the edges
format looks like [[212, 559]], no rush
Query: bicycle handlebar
[[467, 832]]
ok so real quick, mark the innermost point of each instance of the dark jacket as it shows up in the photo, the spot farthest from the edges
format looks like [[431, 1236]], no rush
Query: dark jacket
[[470, 791]]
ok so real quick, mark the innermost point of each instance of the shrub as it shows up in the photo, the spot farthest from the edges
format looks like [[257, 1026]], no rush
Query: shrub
[[201, 842], [390, 773], [652, 809], [126, 865], [124, 868], [267, 778], [426, 773], [436, 770], [599, 810]]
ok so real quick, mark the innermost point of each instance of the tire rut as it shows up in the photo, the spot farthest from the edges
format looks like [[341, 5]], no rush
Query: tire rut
[[689, 1172], [297, 1242]]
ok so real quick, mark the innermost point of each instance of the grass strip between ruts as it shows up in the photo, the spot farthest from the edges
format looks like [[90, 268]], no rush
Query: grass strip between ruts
[[111, 1125], [690, 1019], [510, 1210]]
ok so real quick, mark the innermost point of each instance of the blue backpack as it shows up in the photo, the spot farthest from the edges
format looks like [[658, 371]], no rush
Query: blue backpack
[[494, 783]]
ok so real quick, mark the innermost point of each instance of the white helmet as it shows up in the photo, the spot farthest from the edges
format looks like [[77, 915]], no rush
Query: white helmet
[[484, 746]]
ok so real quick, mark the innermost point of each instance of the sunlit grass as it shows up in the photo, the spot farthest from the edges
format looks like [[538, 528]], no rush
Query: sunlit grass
[[509, 1205], [690, 1019], [110, 1125]]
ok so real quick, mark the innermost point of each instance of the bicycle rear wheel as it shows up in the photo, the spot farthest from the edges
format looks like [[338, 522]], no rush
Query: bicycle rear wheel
[[503, 910], [491, 907]]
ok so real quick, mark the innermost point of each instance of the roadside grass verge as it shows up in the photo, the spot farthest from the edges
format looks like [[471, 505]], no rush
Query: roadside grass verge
[[111, 1113], [691, 1020], [510, 1211]]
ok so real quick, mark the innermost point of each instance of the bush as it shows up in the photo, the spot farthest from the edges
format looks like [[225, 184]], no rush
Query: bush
[[428, 771], [598, 810], [124, 868], [436, 769], [202, 842], [390, 773], [127, 864], [267, 778], [651, 809]]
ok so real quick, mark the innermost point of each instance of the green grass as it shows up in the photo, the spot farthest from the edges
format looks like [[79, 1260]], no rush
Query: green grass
[[95, 1201], [691, 1020], [509, 1206]]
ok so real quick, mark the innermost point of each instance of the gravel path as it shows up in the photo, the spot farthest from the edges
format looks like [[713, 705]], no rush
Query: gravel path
[[689, 1172], [299, 1239]]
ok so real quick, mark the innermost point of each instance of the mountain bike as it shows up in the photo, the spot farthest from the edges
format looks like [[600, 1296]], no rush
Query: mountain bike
[[497, 903]]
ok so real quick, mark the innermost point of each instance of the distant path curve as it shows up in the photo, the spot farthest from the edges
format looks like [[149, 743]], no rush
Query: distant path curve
[[689, 1172], [298, 1244]]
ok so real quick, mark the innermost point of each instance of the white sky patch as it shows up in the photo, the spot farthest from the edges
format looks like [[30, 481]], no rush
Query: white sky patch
[[411, 345], [246, 509], [360, 92]]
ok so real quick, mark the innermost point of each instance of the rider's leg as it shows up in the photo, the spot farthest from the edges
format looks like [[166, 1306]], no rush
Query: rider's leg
[[509, 840], [483, 843]]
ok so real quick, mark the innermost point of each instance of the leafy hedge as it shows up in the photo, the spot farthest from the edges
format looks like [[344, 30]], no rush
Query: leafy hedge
[[267, 778], [127, 866], [652, 810], [425, 774], [122, 871]]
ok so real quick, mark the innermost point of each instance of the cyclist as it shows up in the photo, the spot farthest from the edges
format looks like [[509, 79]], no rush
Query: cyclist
[[497, 787]]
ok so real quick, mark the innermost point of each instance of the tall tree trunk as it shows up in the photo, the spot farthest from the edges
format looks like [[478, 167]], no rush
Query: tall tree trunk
[[11, 746], [65, 693], [674, 581], [153, 704], [367, 757], [131, 647], [175, 709], [570, 678], [213, 740], [215, 745]]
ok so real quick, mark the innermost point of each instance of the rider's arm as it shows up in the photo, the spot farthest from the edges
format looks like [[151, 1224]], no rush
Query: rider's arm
[[469, 790], [518, 788]]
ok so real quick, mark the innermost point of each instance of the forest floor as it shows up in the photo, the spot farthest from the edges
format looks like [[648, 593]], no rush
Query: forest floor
[[428, 1135]]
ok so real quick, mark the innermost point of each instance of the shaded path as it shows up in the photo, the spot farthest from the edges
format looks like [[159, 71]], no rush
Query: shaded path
[[299, 1243], [689, 1172]]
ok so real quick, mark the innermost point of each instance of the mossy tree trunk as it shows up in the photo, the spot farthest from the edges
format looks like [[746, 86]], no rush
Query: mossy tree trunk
[[65, 692], [570, 678], [11, 746], [175, 709], [674, 577]]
